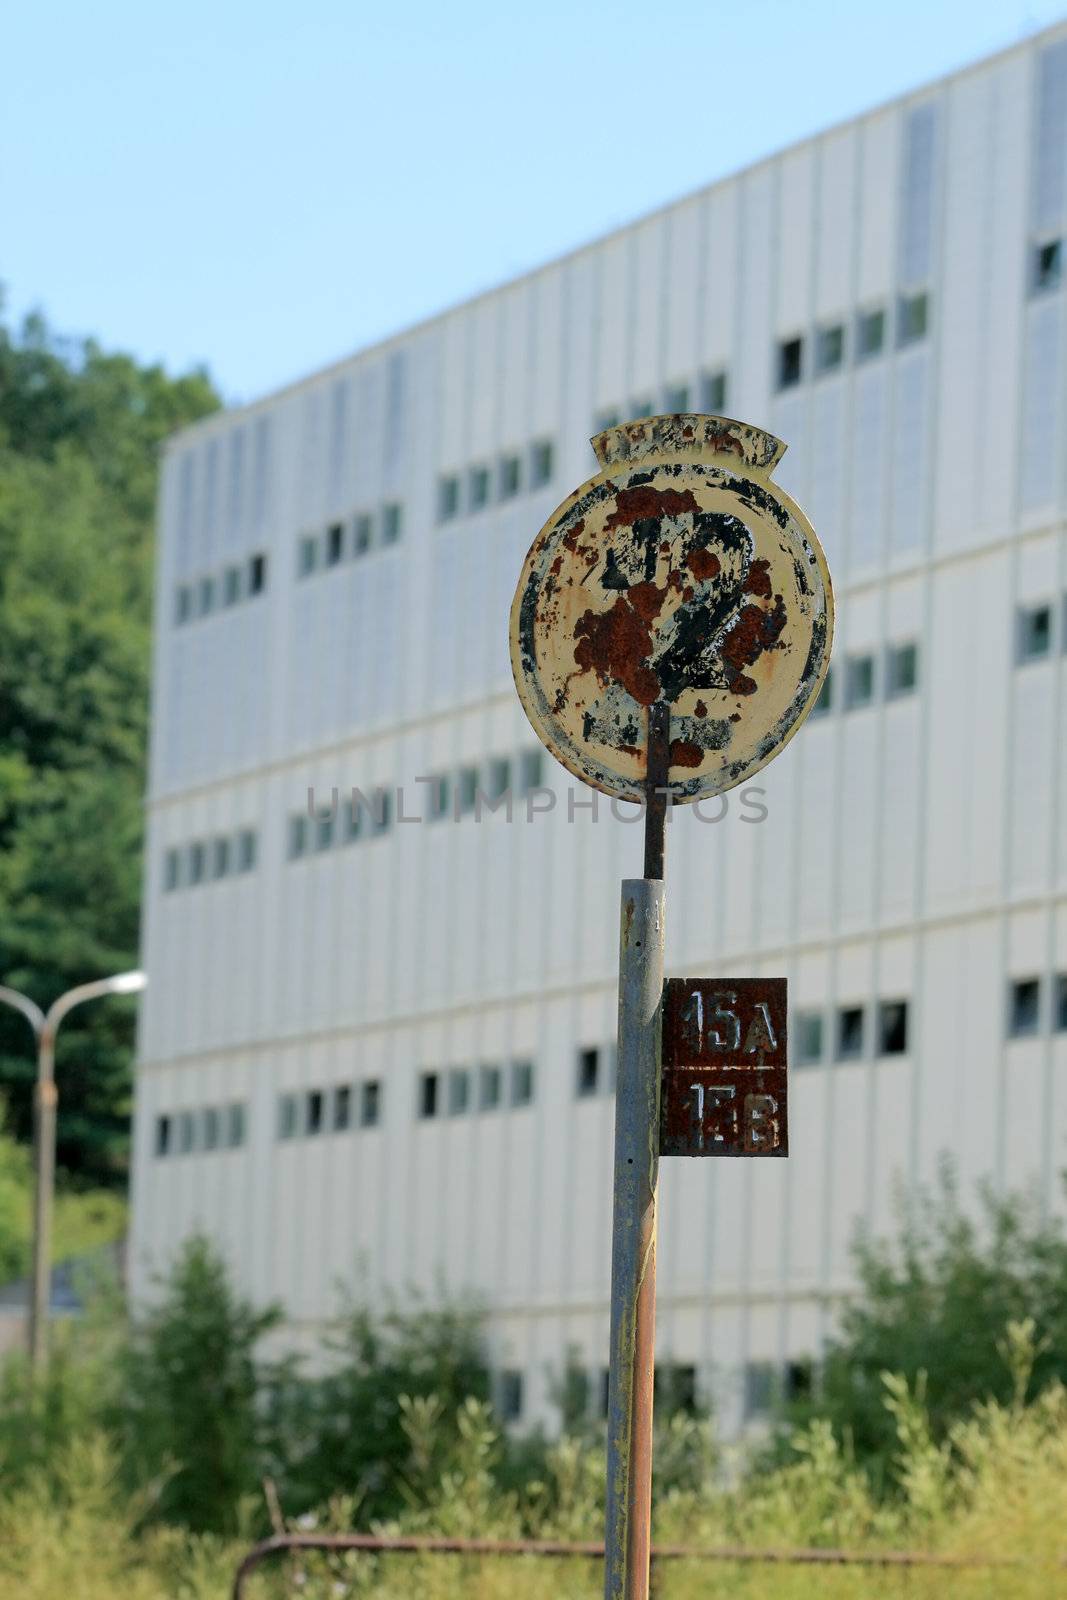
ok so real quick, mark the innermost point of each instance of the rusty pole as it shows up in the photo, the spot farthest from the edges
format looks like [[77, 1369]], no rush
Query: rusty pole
[[633, 1248]]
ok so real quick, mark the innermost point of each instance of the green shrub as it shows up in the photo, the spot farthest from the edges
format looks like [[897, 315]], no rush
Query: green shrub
[[187, 1415]]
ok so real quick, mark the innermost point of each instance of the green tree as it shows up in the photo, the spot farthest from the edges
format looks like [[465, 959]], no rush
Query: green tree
[[80, 431], [937, 1301], [187, 1414]]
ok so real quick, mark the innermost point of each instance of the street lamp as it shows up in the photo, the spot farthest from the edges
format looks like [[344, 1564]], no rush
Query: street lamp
[[45, 1026]]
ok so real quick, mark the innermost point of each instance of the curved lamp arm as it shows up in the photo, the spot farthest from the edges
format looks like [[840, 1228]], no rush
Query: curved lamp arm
[[121, 983], [29, 1008]]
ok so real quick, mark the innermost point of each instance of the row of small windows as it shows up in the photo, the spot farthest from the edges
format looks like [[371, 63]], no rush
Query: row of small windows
[[483, 484], [765, 1386], [303, 1114], [182, 1133], [219, 590], [456, 794], [208, 860], [900, 676], [346, 541], [457, 1091], [826, 350], [707, 394], [850, 1025], [1027, 1002]]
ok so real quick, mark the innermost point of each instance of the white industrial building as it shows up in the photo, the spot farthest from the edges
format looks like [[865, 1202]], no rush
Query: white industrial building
[[379, 1053]]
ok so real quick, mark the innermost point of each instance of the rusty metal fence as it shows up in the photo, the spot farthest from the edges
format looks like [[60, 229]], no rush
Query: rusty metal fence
[[415, 1545]]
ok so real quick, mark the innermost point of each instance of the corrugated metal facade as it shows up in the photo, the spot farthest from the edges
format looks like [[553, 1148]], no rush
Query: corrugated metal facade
[[913, 847]]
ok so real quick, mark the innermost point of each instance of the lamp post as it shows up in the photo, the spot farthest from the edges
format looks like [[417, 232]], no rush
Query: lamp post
[[45, 1026]]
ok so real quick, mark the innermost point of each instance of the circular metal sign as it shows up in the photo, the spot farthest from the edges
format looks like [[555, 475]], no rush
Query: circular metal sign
[[680, 573]]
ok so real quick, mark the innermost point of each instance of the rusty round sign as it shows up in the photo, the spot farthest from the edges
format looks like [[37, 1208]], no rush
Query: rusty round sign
[[680, 573]]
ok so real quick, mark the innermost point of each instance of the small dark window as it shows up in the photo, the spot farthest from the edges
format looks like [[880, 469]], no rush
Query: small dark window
[[675, 1389], [1060, 1021], [335, 543], [509, 1388], [859, 682], [382, 811], [870, 334], [392, 519], [307, 555], [605, 420], [298, 835], [162, 1135], [913, 317], [231, 586], [541, 462], [246, 850], [1047, 269], [447, 498], [808, 1032], [313, 1116], [645, 407], [467, 789], [370, 1103], [235, 1126], [257, 574], [459, 1091], [1024, 1007], [220, 858], [183, 604], [522, 1083], [676, 398], [211, 1129], [510, 477], [798, 1380], [342, 1107], [790, 363], [196, 863], [186, 1132], [714, 392], [605, 1390], [893, 1027], [531, 769], [760, 1384], [824, 701], [478, 485], [588, 1072], [829, 348], [428, 1084], [440, 791], [172, 869], [489, 1088], [324, 829], [288, 1116], [499, 777], [1034, 632], [207, 596], [849, 1033], [363, 534], [901, 669]]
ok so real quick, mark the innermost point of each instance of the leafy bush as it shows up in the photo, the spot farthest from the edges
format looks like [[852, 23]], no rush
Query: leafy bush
[[934, 1306]]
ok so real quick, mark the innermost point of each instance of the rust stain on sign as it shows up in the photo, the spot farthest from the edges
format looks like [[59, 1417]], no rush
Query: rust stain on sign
[[724, 1067], [681, 574]]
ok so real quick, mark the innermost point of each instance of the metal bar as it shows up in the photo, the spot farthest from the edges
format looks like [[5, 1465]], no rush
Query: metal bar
[[417, 1544], [633, 1246], [657, 772], [44, 1152]]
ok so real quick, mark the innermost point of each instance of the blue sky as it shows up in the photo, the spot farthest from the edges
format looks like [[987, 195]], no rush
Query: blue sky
[[265, 188]]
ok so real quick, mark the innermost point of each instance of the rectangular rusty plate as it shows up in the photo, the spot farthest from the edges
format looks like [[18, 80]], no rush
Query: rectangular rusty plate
[[723, 1086]]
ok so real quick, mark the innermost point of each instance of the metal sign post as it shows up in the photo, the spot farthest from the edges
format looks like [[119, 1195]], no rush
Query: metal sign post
[[670, 631]]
